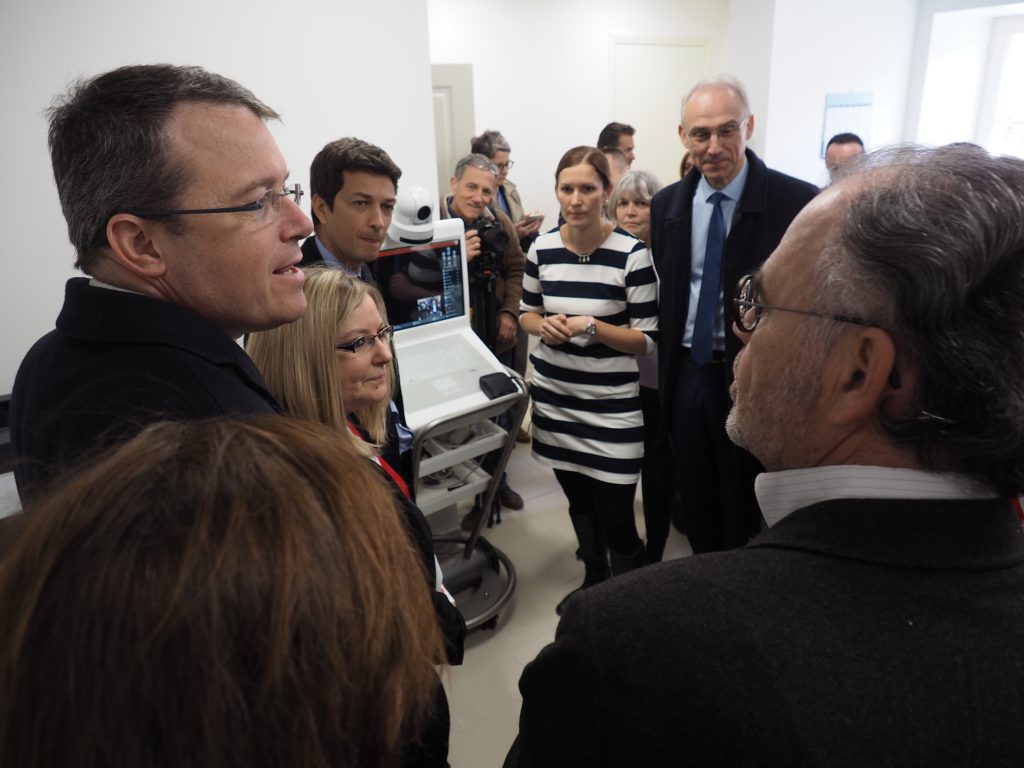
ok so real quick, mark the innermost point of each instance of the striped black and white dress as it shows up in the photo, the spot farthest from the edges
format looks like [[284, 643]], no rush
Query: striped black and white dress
[[586, 403]]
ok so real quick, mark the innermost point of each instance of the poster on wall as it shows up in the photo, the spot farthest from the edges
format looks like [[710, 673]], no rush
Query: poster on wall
[[847, 113]]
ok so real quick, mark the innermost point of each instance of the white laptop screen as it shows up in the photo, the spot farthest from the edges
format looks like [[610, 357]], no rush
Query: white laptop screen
[[422, 284]]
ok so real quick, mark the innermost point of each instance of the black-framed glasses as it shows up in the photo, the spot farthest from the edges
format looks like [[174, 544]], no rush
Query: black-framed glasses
[[505, 166], [723, 132], [266, 208], [364, 342], [749, 310]]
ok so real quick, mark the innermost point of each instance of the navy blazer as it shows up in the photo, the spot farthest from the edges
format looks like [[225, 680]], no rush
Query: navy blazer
[[770, 201], [852, 633], [116, 362]]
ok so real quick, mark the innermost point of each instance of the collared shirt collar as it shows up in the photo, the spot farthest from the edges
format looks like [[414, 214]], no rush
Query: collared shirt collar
[[733, 190], [96, 283], [780, 493], [332, 260]]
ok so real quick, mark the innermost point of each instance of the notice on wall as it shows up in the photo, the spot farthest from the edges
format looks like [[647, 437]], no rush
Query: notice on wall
[[847, 113]]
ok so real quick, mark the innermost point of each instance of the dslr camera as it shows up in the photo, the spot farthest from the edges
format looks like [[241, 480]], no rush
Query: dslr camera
[[493, 242]]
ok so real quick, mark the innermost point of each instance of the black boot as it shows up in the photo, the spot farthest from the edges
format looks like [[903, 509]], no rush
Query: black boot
[[592, 552], [625, 563]]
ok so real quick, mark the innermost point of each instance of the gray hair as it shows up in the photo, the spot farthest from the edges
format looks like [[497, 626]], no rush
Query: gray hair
[[721, 80], [489, 143], [639, 185], [931, 249], [475, 160], [108, 144]]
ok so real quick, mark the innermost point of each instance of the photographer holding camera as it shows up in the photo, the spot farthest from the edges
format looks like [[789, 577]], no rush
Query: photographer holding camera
[[492, 249], [495, 265]]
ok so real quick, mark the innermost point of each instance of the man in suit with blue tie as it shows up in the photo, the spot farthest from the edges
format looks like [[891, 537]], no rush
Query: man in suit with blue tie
[[719, 222]]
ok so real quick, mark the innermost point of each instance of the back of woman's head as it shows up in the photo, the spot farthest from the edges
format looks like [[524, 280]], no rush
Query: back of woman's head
[[229, 593], [297, 360]]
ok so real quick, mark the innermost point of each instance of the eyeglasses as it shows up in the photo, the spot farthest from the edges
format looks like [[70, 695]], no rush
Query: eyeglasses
[[748, 313], [505, 166], [266, 208], [723, 132], [364, 342], [748, 310]]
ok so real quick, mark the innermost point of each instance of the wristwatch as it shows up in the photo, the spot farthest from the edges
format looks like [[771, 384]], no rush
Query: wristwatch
[[591, 329]]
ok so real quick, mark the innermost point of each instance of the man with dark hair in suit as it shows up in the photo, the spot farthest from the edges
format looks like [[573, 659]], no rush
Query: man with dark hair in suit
[[353, 185], [879, 620], [719, 222], [177, 204], [618, 136]]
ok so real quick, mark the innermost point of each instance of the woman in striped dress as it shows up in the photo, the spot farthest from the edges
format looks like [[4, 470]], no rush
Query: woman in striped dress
[[589, 294]]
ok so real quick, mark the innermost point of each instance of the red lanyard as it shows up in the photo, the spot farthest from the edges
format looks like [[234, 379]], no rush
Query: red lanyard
[[384, 465]]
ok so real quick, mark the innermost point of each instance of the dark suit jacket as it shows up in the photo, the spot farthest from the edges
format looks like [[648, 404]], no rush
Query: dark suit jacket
[[311, 255], [116, 362], [853, 633], [770, 201]]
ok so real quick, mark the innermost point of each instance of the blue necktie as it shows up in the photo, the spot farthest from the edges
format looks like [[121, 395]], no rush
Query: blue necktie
[[710, 286]]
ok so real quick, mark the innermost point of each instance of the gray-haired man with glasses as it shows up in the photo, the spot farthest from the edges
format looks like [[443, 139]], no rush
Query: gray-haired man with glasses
[[179, 208], [879, 620], [721, 221]]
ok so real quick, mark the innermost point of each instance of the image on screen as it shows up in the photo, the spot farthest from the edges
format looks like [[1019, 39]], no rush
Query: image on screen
[[421, 284]]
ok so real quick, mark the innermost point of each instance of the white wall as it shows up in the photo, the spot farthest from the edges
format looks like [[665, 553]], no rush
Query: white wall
[[331, 69], [835, 47], [748, 56], [542, 71]]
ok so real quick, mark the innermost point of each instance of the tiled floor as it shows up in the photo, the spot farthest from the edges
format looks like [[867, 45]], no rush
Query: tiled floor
[[484, 691]]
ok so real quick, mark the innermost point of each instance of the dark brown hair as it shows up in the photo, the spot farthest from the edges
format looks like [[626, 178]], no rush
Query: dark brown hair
[[590, 155], [215, 593], [109, 146], [609, 136], [327, 171]]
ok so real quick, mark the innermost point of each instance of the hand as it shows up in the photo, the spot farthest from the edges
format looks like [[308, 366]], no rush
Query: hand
[[507, 327], [525, 227], [577, 325], [555, 330], [472, 245]]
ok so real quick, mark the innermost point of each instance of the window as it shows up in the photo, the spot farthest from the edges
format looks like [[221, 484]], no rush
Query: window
[[1001, 113]]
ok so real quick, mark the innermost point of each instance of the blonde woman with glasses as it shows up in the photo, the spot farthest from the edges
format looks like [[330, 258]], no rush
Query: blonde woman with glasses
[[334, 365]]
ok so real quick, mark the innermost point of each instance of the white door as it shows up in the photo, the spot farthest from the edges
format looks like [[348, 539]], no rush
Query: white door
[[453, 117]]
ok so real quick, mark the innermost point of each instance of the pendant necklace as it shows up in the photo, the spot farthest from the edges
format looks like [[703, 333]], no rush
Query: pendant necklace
[[584, 258]]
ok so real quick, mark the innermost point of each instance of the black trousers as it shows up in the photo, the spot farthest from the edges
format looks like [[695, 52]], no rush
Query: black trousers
[[658, 478], [717, 508], [610, 503]]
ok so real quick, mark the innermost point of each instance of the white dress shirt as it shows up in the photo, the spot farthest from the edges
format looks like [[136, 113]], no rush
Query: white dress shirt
[[780, 493]]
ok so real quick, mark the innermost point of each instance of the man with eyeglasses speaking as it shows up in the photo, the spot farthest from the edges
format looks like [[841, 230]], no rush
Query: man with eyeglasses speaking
[[719, 222], [178, 206], [879, 619]]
